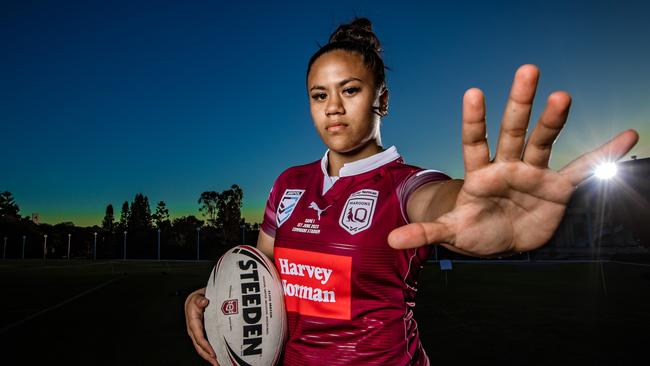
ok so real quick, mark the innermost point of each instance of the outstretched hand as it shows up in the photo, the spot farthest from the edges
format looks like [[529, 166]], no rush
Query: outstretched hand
[[513, 203]]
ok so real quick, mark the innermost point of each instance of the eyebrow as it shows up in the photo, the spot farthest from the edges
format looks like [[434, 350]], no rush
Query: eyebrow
[[341, 83]]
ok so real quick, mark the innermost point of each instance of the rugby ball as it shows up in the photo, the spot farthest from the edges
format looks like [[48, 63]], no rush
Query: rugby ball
[[245, 321]]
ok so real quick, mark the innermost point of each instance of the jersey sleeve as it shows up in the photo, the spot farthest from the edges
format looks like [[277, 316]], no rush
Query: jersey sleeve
[[415, 181], [269, 223]]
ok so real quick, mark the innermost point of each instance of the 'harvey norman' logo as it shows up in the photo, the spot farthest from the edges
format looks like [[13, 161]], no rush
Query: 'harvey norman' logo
[[287, 204], [320, 274], [315, 283]]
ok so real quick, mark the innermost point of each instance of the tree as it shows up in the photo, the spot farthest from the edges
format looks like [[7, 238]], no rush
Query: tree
[[140, 215], [8, 207], [161, 216], [185, 230], [229, 211], [124, 216], [208, 202], [223, 210], [147, 213], [109, 219], [248, 231]]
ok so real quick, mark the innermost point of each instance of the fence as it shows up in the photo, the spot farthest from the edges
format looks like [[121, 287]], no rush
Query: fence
[[160, 245]]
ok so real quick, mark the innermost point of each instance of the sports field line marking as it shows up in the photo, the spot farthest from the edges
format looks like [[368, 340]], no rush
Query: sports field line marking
[[543, 261], [54, 307], [34, 265], [632, 263], [75, 265]]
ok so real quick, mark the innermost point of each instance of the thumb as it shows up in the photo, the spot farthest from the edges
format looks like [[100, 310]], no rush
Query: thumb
[[202, 301], [420, 234]]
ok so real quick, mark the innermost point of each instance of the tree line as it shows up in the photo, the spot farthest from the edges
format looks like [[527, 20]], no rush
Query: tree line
[[137, 232]]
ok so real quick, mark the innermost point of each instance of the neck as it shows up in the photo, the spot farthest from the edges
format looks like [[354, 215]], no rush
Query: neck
[[336, 160]]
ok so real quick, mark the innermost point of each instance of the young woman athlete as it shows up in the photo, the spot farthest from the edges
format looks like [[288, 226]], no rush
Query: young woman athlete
[[350, 232]]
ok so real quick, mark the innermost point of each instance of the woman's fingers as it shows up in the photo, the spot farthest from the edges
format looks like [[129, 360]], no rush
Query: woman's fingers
[[512, 136], [203, 353], [419, 234], [540, 142], [194, 308], [584, 166], [196, 324], [476, 151]]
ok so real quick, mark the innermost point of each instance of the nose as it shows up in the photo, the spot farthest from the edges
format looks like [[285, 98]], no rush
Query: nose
[[334, 106]]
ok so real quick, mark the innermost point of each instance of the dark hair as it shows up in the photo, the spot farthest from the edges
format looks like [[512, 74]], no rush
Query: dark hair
[[357, 37]]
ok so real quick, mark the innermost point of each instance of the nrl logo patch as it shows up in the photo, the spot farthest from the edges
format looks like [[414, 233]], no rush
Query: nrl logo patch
[[358, 211], [287, 204]]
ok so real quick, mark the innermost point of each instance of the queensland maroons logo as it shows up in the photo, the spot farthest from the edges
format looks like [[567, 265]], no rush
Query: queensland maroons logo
[[229, 307], [358, 211], [287, 204]]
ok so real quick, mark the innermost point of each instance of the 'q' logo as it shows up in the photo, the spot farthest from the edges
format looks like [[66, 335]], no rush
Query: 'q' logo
[[229, 307], [358, 211]]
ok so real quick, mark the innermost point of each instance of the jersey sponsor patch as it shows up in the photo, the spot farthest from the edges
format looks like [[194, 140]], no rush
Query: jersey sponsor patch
[[287, 204], [358, 211], [315, 284]]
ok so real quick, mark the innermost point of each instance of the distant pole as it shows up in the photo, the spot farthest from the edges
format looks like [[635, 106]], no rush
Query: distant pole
[[159, 244], [124, 244], [602, 276], [69, 236], [95, 247], [198, 243], [45, 247], [243, 234], [24, 238], [4, 250]]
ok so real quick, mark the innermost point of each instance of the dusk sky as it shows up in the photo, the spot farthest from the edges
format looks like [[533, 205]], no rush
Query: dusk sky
[[100, 100]]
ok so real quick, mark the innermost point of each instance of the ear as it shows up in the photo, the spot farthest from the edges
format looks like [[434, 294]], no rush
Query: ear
[[383, 102]]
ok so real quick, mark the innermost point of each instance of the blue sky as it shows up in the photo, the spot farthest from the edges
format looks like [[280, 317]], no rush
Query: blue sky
[[102, 100]]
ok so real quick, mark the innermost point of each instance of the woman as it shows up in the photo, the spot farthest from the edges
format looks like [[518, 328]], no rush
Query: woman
[[362, 218]]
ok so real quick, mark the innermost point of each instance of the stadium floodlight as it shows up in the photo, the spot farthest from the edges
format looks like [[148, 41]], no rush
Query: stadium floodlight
[[606, 170]]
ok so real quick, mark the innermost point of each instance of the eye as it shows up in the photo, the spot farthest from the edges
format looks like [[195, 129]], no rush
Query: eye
[[351, 91], [318, 96]]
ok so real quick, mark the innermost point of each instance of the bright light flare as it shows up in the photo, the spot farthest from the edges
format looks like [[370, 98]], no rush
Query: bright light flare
[[605, 170]]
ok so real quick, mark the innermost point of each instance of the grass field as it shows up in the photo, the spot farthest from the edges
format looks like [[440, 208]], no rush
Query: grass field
[[131, 313]]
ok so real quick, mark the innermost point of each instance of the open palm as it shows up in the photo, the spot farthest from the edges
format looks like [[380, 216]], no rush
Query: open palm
[[513, 203]]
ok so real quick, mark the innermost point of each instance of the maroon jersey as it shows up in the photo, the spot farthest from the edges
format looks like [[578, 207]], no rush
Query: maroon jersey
[[349, 295]]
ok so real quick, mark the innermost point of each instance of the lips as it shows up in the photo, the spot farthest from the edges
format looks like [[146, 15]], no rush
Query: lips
[[335, 126]]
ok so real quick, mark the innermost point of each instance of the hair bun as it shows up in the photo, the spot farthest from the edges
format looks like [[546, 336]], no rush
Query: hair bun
[[357, 36], [358, 31]]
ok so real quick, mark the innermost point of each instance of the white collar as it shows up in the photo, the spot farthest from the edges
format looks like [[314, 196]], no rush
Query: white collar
[[364, 165]]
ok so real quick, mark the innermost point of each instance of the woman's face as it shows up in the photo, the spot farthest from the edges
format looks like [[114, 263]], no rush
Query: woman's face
[[342, 94]]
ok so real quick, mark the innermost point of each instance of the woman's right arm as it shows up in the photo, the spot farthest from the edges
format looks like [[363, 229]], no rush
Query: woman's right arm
[[265, 243], [196, 302]]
